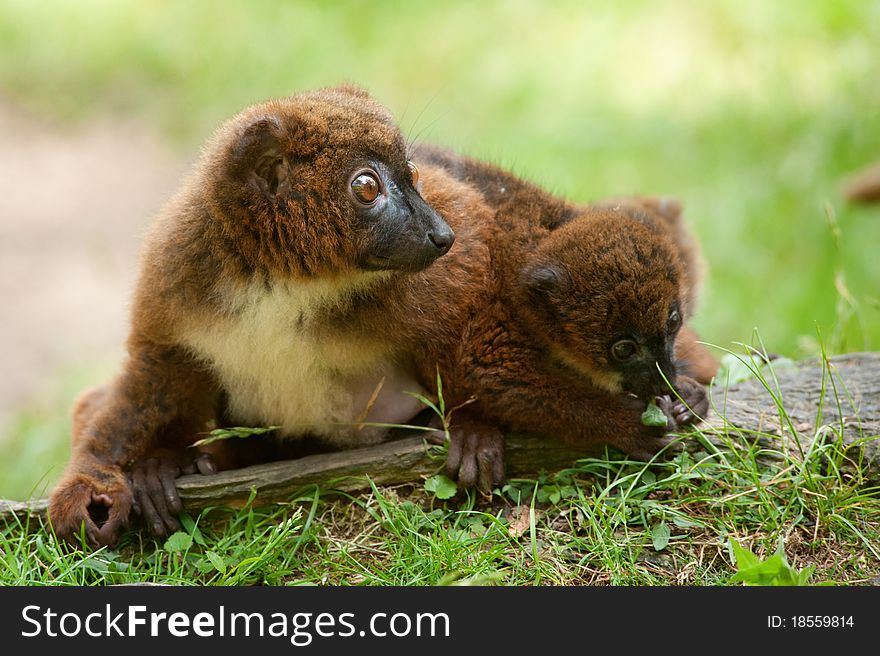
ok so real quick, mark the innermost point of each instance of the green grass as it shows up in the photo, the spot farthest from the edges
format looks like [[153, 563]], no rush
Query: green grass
[[748, 111], [698, 518]]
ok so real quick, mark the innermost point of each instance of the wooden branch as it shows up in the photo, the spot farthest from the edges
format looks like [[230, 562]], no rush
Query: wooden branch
[[848, 411], [745, 413]]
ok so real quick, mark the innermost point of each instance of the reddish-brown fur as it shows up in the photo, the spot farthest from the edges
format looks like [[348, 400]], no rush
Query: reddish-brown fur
[[220, 248], [550, 375], [696, 359], [265, 209]]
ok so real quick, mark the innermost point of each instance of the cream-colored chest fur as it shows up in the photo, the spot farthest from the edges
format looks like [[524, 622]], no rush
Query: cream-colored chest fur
[[279, 368]]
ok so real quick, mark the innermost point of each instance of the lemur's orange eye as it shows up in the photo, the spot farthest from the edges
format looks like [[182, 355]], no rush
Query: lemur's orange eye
[[413, 172], [365, 187]]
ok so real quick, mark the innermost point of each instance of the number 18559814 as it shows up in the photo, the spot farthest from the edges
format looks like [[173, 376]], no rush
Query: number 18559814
[[810, 622]]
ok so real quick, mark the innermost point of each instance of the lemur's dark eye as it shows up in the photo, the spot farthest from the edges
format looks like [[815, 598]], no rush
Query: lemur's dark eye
[[413, 172], [624, 350], [365, 187], [674, 321]]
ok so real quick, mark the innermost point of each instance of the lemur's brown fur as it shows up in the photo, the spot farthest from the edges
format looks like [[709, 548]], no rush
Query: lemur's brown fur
[[567, 282], [278, 287], [270, 295], [695, 358]]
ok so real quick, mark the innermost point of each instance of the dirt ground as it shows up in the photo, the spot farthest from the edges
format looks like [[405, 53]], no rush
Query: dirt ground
[[74, 203]]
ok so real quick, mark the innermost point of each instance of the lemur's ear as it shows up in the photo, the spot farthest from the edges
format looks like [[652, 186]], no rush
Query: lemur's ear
[[667, 207], [542, 279], [259, 158]]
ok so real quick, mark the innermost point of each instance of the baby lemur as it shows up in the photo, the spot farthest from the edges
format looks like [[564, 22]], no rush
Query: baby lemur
[[586, 323]]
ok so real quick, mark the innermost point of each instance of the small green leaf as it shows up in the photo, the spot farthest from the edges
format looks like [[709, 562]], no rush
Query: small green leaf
[[425, 401], [236, 432], [653, 416], [660, 536], [190, 527], [684, 522], [568, 492], [218, 563], [179, 541], [804, 576], [205, 566], [775, 570], [512, 492], [744, 557], [95, 564], [441, 486]]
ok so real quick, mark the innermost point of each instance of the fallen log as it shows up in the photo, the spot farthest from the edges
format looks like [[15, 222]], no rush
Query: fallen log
[[838, 399]]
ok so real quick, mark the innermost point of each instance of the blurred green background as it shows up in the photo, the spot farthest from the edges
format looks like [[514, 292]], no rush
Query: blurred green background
[[749, 111]]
